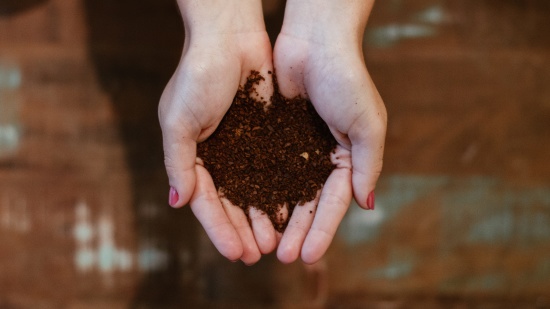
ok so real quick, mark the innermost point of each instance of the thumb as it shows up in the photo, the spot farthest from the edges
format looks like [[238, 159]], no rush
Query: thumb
[[179, 160], [367, 150], [180, 151]]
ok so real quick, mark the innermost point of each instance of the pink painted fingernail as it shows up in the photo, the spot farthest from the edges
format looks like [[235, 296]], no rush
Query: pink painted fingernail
[[173, 197], [370, 201]]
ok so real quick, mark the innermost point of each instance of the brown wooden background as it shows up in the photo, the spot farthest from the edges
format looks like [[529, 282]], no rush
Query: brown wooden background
[[463, 206]]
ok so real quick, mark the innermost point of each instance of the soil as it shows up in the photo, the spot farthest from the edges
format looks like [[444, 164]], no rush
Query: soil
[[265, 157]]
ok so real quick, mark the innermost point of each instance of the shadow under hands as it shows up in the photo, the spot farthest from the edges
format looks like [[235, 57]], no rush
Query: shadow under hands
[[135, 47]]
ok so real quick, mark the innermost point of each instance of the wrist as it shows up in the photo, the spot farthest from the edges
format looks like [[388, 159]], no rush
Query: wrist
[[206, 17], [326, 21]]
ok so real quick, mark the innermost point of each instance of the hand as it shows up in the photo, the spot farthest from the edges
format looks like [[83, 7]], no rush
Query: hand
[[321, 57], [224, 41]]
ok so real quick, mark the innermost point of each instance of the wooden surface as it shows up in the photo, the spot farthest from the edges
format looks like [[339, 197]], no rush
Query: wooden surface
[[463, 205]]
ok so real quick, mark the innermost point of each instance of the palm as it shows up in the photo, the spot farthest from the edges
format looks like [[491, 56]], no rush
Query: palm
[[335, 79], [192, 106], [207, 79]]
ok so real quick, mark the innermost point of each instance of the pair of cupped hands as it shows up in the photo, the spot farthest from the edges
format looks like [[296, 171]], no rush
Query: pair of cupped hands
[[318, 54]]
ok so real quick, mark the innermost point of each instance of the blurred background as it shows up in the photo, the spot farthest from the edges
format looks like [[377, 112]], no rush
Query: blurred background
[[463, 206]]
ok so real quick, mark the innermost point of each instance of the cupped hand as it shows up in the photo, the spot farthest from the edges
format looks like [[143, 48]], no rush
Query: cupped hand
[[330, 70], [200, 92]]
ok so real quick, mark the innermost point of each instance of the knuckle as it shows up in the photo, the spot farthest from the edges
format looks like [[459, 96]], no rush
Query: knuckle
[[333, 200], [169, 164], [208, 196]]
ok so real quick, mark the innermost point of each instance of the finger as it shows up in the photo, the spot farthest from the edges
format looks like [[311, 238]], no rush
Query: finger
[[333, 204], [296, 231], [206, 206], [251, 252], [263, 230], [180, 150], [179, 160], [367, 136]]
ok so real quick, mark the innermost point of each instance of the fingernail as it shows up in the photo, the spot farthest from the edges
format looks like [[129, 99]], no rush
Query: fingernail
[[173, 197], [370, 201]]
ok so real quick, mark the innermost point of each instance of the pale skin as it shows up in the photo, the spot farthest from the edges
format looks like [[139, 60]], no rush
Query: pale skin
[[317, 55]]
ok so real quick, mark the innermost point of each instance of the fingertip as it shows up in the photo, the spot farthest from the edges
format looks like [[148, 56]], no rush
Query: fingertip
[[315, 246], [178, 197], [230, 246], [233, 253], [173, 198], [363, 193], [287, 254], [370, 201], [179, 194], [251, 254], [251, 263], [268, 247], [361, 199], [182, 186], [365, 175], [310, 256]]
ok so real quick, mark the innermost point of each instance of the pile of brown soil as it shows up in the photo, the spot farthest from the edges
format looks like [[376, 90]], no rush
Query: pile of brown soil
[[266, 157]]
